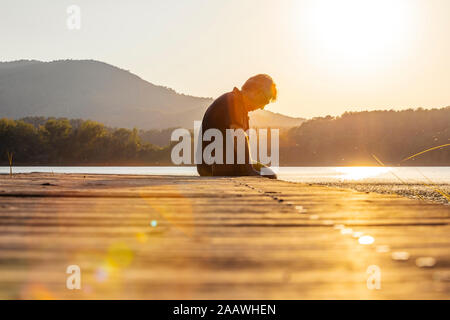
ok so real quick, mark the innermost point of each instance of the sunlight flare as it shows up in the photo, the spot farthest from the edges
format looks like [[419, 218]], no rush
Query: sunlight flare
[[359, 173], [358, 33]]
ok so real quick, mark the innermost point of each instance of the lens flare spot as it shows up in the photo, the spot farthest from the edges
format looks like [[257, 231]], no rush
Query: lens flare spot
[[400, 255], [119, 255], [366, 240], [101, 274], [425, 262]]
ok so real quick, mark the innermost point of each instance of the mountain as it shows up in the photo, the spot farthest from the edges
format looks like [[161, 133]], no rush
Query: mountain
[[267, 119], [89, 89]]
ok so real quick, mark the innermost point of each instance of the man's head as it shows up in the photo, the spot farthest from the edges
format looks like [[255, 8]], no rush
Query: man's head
[[259, 91]]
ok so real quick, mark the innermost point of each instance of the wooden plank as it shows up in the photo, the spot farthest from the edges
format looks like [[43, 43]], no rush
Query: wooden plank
[[214, 238]]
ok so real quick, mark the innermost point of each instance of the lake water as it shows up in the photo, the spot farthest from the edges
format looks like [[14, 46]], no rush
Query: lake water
[[432, 175]]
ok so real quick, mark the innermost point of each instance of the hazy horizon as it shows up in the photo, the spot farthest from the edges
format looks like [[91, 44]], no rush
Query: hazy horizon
[[326, 57]]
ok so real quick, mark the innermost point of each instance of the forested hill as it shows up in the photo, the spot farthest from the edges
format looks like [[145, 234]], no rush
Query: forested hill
[[354, 137], [89, 89], [351, 139]]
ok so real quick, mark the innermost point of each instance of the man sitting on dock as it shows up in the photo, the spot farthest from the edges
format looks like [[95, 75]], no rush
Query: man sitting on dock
[[230, 111]]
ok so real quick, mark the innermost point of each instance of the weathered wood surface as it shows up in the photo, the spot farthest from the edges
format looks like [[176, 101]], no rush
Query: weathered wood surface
[[163, 237]]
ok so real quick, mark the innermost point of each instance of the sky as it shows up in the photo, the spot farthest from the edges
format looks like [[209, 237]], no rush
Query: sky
[[327, 57]]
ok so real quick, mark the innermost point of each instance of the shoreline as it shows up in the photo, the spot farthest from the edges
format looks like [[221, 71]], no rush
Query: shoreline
[[382, 185], [408, 190]]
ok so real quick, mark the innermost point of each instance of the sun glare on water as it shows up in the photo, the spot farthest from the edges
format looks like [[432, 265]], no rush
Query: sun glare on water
[[360, 173]]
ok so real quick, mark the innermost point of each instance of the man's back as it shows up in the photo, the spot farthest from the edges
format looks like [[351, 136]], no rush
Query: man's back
[[226, 112]]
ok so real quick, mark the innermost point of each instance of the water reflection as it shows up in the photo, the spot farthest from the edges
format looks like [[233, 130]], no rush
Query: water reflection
[[295, 174], [359, 173]]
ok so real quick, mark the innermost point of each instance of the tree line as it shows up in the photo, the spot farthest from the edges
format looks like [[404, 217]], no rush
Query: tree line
[[41, 141], [354, 138]]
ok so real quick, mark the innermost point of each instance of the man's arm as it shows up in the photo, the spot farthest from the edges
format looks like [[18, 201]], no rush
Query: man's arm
[[249, 168]]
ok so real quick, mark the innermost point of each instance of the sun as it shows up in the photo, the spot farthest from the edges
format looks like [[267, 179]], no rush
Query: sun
[[358, 32]]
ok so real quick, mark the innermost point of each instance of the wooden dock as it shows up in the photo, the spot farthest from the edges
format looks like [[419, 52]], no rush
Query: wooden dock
[[168, 237]]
